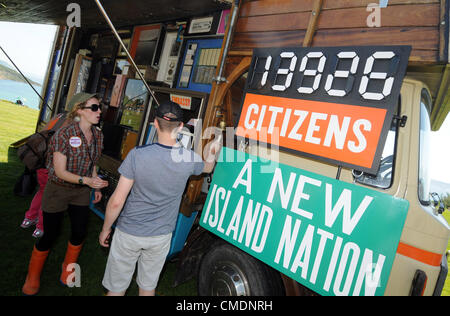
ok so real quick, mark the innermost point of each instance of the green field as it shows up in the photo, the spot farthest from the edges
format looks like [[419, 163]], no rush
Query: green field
[[17, 122]]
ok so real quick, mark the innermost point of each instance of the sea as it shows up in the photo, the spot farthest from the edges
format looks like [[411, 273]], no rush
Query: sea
[[14, 90]]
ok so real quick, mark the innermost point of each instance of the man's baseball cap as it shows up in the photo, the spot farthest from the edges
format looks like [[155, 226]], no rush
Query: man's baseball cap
[[79, 98], [170, 107]]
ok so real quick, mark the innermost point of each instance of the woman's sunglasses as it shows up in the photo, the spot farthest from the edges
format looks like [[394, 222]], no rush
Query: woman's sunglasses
[[94, 107]]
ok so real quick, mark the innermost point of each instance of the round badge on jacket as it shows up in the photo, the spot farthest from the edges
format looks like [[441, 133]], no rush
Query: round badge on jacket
[[75, 141]]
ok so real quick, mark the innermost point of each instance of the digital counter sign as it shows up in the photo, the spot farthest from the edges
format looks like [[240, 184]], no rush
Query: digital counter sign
[[334, 104]]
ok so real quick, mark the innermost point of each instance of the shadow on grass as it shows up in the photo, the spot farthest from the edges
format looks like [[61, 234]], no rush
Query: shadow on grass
[[17, 243]]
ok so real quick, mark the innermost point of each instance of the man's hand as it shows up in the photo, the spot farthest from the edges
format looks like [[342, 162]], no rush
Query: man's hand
[[211, 152], [104, 237], [113, 208]]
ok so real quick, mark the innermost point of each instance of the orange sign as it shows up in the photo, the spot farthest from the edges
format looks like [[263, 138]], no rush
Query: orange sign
[[343, 132], [183, 101]]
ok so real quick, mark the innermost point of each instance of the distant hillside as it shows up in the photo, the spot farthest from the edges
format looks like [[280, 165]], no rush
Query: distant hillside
[[440, 187], [7, 73]]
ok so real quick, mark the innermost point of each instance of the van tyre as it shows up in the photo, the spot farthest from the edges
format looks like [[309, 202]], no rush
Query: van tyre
[[227, 271]]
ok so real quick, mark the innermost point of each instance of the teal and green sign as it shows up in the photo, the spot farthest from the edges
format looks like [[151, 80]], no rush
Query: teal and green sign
[[333, 237]]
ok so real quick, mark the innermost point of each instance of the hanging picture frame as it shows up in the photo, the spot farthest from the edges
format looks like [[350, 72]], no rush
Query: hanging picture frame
[[223, 22], [80, 76], [144, 44], [120, 65], [121, 52], [205, 25]]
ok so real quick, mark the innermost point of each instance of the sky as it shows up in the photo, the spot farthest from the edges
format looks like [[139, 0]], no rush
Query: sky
[[29, 45], [440, 156]]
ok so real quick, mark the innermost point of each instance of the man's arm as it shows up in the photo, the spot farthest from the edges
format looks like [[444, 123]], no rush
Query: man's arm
[[212, 150], [114, 207], [209, 166]]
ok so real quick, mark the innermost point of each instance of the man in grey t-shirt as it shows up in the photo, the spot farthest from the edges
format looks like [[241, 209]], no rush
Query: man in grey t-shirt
[[153, 177], [152, 206]]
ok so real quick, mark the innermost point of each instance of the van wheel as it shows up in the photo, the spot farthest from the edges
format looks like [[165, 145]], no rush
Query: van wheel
[[227, 271]]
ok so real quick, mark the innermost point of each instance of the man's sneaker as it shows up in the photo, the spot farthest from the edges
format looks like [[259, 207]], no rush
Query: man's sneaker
[[28, 222]]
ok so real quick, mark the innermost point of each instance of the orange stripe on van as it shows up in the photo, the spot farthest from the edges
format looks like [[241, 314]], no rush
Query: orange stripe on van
[[427, 257]]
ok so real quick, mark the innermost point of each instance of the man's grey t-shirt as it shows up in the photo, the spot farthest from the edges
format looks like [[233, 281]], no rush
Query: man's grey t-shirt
[[160, 174]]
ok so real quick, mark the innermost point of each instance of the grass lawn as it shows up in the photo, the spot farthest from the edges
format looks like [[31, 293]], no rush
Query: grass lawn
[[16, 244]]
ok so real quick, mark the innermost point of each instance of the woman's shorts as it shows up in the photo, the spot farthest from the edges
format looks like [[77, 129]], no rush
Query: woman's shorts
[[149, 252], [57, 197]]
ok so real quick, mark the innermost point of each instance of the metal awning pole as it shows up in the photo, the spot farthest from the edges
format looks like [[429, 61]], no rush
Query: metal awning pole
[[234, 15], [26, 79], [105, 15]]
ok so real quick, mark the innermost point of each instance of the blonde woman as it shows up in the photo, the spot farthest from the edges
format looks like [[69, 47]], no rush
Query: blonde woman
[[74, 151]]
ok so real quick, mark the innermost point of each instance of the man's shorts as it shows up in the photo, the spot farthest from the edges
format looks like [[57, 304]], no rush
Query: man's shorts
[[149, 252]]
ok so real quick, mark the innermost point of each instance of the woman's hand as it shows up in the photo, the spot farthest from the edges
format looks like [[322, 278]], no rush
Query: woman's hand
[[95, 182]]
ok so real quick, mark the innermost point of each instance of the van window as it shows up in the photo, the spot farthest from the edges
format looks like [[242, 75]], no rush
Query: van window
[[424, 149], [384, 177]]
